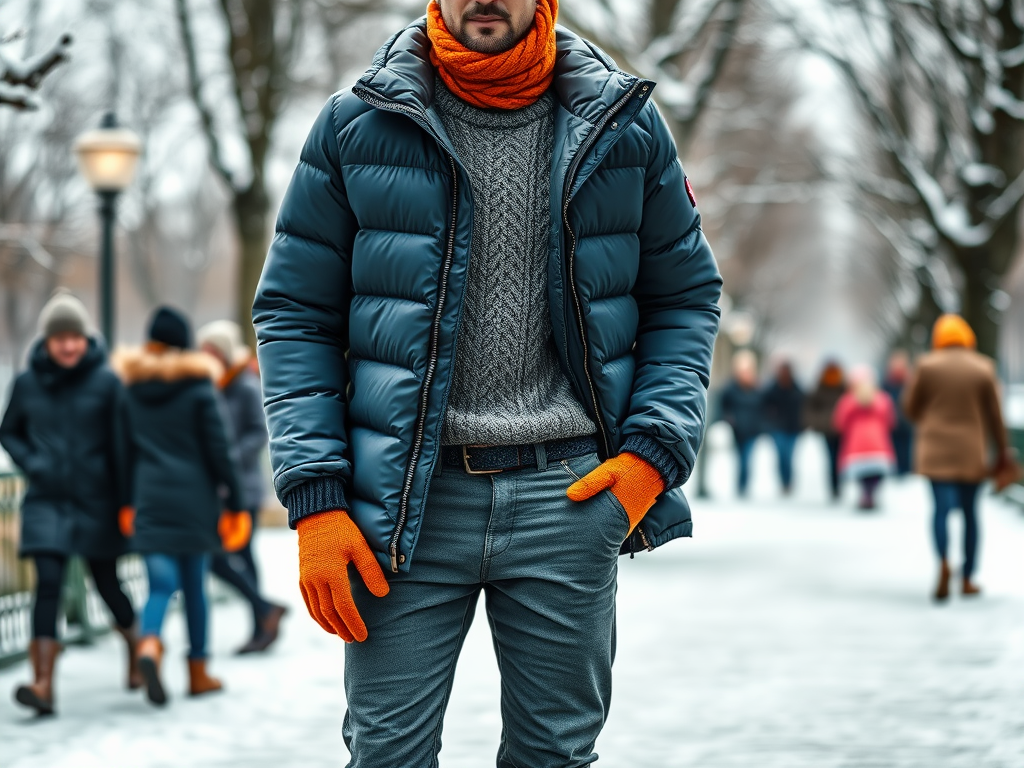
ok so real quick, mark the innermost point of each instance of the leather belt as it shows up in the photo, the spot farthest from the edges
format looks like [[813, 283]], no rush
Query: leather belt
[[492, 459]]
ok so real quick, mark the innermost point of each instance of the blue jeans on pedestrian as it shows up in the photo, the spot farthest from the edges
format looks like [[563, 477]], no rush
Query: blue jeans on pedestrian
[[785, 445], [744, 449], [547, 568], [167, 574], [950, 496]]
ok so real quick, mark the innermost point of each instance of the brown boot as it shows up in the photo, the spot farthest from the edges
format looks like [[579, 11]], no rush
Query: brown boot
[[970, 589], [150, 654], [39, 696], [942, 589], [131, 639], [198, 681]]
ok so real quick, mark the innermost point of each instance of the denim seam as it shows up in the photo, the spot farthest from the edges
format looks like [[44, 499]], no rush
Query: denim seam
[[514, 504], [451, 679]]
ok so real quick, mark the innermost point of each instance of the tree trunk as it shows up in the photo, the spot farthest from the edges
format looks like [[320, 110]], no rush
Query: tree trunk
[[251, 209], [976, 298]]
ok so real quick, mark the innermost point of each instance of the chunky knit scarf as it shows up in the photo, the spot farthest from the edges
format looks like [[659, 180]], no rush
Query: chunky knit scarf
[[509, 80]]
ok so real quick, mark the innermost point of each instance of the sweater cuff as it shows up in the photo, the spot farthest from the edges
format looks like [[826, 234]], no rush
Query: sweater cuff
[[323, 494], [659, 457]]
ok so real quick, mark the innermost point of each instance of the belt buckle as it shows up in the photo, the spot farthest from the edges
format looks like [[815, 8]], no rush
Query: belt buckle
[[469, 469]]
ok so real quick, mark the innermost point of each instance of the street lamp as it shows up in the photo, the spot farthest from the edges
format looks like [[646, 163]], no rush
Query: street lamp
[[107, 158]]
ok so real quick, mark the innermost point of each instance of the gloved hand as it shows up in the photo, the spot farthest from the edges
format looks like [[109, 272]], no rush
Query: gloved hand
[[234, 529], [328, 542], [126, 521], [635, 483]]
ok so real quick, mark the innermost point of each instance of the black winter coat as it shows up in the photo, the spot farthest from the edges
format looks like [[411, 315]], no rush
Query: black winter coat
[[741, 410], [244, 400], [183, 465], [783, 408], [62, 430]]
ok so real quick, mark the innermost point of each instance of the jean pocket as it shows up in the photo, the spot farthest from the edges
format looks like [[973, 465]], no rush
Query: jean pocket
[[622, 515]]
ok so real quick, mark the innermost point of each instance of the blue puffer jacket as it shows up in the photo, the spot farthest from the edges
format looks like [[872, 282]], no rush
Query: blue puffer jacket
[[359, 304]]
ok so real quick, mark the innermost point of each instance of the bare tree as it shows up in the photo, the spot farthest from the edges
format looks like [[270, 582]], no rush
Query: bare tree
[[940, 88], [681, 44]]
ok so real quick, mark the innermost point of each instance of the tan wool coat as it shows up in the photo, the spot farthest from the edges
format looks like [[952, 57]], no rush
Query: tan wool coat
[[953, 398]]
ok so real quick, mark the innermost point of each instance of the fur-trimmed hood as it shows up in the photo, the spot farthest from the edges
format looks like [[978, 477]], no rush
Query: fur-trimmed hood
[[140, 365]]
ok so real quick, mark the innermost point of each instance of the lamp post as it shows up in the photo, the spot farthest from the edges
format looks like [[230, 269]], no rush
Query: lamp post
[[106, 158]]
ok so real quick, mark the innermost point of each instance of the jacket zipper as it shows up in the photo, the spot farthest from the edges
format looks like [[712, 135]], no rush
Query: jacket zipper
[[428, 377], [569, 181]]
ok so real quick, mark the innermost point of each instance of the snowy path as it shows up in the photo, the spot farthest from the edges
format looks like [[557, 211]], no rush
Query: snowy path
[[786, 635]]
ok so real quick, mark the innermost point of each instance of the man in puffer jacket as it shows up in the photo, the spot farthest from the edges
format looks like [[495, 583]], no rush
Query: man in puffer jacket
[[485, 329]]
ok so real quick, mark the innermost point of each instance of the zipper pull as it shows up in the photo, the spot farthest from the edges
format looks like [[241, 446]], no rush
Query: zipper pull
[[394, 558]]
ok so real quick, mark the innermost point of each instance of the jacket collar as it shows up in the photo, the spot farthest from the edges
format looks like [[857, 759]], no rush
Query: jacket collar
[[587, 83], [141, 365]]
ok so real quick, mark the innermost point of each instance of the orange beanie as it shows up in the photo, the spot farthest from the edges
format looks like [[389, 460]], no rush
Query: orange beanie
[[510, 80], [953, 331]]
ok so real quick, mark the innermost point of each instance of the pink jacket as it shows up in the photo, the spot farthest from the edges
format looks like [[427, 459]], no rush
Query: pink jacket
[[866, 431]]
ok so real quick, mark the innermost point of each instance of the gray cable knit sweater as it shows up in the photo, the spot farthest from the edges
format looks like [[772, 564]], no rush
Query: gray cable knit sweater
[[508, 387]]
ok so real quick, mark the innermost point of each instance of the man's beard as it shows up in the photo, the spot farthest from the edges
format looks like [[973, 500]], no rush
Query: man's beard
[[488, 43]]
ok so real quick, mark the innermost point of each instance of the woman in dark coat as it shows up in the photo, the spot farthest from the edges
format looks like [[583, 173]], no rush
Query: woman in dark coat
[[181, 461], [240, 387], [62, 429], [783, 412], [819, 407], [741, 410]]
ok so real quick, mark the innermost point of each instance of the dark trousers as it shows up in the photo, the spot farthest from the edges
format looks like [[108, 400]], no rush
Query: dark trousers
[[902, 442], [949, 496], [785, 445], [744, 449], [832, 443], [50, 569], [239, 570]]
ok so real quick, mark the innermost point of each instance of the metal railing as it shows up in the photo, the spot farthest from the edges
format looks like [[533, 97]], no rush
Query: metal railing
[[84, 616]]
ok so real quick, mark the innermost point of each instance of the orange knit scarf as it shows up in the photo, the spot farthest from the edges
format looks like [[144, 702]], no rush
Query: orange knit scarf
[[509, 80]]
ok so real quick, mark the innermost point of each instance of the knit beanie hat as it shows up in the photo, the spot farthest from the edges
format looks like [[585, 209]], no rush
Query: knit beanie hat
[[64, 313], [170, 327], [953, 331], [224, 336]]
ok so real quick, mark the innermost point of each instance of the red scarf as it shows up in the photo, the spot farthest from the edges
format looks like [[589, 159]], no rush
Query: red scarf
[[509, 80]]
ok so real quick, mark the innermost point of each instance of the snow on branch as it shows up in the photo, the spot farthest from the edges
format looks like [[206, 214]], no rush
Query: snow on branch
[[17, 77]]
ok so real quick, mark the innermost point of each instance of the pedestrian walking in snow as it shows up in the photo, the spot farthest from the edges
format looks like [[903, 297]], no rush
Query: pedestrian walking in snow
[[865, 417], [240, 389], [63, 429], [953, 400], [783, 403], [819, 409], [183, 474], [896, 373], [741, 410], [489, 307]]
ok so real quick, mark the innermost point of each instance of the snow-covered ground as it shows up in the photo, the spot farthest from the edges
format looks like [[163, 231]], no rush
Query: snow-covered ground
[[787, 634]]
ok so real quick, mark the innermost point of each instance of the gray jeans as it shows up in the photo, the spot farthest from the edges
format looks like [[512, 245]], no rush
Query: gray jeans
[[547, 567]]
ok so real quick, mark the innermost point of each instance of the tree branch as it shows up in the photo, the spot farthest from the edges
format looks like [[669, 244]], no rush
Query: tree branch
[[30, 73], [196, 91]]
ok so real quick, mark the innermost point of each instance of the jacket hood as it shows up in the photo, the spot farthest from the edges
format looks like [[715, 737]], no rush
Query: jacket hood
[[587, 82], [52, 375], [160, 375]]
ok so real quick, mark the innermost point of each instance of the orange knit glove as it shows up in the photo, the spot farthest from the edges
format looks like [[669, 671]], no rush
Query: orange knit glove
[[126, 521], [234, 529], [328, 542], [635, 483]]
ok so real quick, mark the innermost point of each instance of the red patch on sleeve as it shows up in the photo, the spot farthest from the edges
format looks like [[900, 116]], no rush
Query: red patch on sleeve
[[689, 192]]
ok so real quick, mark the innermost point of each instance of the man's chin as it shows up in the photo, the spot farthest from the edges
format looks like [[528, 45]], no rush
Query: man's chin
[[489, 44]]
